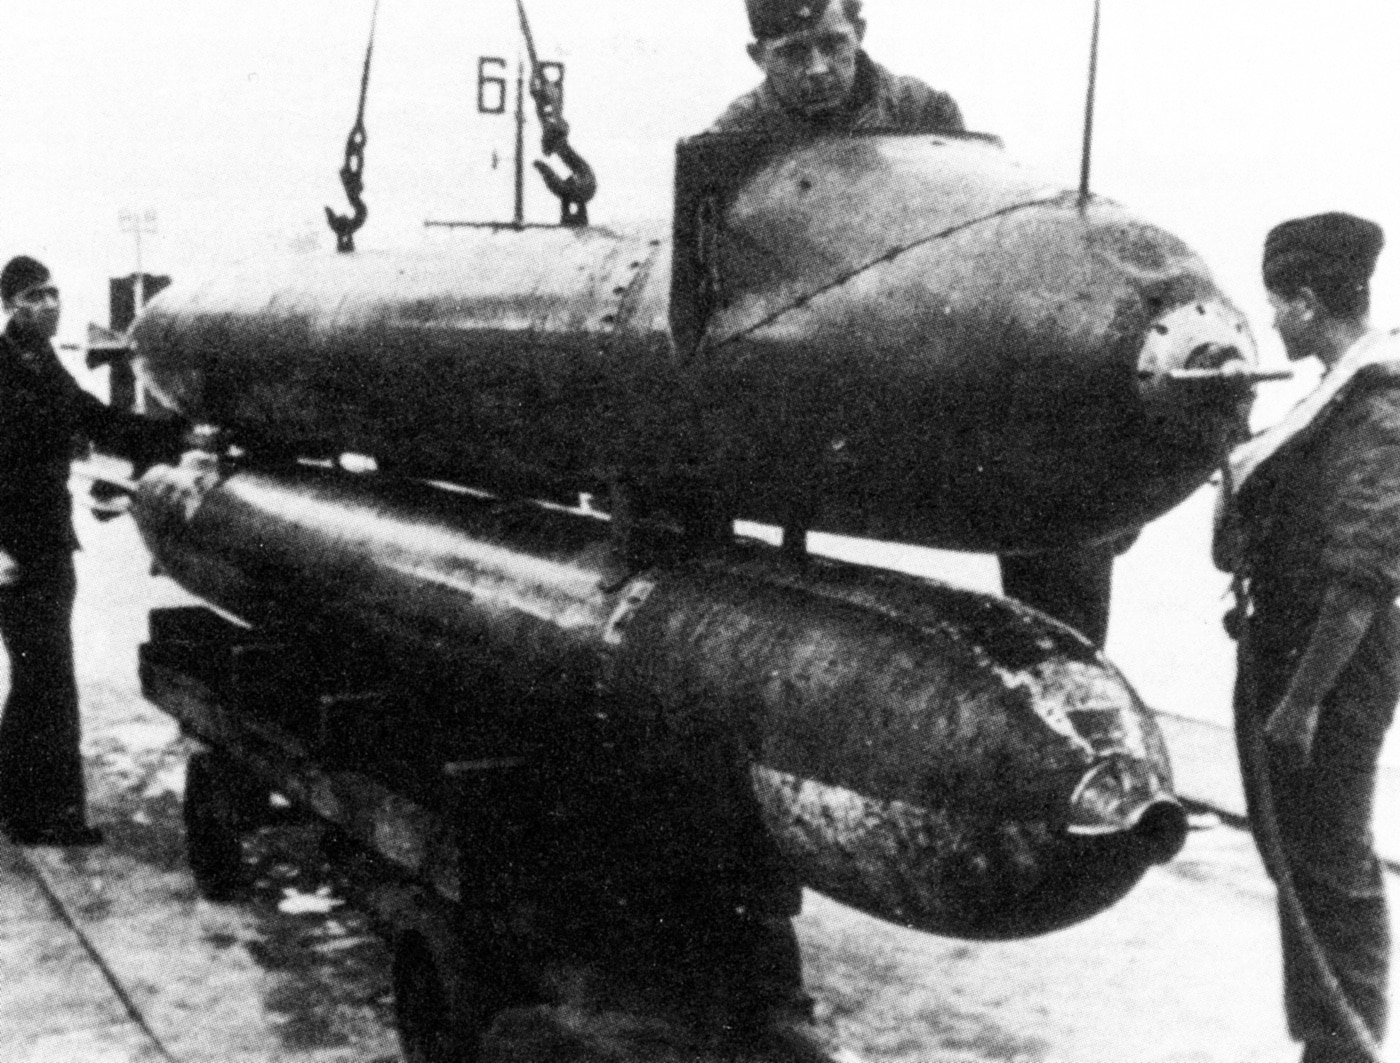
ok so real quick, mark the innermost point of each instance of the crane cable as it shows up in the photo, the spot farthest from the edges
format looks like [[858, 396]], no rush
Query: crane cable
[[1265, 822], [352, 172], [581, 185]]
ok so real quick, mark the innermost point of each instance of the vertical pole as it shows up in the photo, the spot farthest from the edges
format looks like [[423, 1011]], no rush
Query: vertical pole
[[520, 145], [1089, 113], [138, 300], [139, 290]]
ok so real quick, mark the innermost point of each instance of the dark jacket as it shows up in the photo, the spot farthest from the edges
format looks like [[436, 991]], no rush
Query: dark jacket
[[1326, 507], [879, 100], [1323, 507], [44, 416]]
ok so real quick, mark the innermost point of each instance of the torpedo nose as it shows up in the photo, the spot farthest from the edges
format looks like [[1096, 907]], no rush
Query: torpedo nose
[[1114, 799], [1161, 832]]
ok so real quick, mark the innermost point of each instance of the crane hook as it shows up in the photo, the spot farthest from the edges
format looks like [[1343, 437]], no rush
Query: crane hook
[[579, 187], [352, 173], [575, 190], [352, 180]]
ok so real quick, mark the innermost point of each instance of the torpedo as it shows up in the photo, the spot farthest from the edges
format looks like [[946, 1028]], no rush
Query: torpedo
[[949, 761]]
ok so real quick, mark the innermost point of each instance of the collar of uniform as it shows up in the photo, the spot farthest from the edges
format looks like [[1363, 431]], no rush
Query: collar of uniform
[[1378, 348], [24, 351], [867, 85]]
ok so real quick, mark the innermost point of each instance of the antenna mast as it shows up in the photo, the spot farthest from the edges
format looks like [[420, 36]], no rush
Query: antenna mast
[[519, 146], [1089, 112]]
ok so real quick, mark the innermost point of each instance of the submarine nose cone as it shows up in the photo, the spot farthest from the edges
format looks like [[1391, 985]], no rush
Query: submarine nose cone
[[1202, 335], [1113, 799]]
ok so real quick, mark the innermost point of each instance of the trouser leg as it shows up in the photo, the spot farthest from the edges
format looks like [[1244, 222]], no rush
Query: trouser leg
[[1073, 586], [1354, 933], [1324, 819], [1336, 871], [41, 772], [724, 900]]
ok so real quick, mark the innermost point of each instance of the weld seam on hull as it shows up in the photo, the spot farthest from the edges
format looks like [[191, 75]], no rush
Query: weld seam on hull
[[888, 256]]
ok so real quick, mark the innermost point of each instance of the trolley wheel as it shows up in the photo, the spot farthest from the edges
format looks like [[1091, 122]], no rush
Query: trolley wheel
[[221, 806], [442, 1010], [338, 845]]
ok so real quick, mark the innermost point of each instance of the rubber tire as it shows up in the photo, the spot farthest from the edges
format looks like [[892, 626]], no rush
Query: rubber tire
[[338, 845], [441, 1016], [220, 808]]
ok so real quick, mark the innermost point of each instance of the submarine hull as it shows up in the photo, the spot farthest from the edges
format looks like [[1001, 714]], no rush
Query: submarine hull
[[897, 337]]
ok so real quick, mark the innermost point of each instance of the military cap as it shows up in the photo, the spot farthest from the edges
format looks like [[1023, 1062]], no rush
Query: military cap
[[1335, 247], [777, 18], [21, 272]]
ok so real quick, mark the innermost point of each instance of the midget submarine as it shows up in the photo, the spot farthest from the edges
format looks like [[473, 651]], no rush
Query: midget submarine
[[899, 337], [906, 337]]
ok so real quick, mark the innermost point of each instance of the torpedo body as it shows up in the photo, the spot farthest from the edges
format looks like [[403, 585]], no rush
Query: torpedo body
[[946, 760], [900, 337]]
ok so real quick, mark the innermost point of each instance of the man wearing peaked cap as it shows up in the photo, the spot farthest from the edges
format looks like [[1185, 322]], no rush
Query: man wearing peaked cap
[[42, 412], [776, 18], [818, 79], [1332, 254], [1311, 520]]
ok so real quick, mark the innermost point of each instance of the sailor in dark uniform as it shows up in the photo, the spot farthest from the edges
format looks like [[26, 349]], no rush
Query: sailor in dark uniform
[[42, 413], [818, 79], [1310, 523]]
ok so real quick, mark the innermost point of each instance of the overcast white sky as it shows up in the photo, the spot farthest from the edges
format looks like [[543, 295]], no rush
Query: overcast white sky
[[227, 118]]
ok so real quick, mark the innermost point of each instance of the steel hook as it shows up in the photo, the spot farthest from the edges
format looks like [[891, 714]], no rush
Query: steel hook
[[575, 190], [352, 180]]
